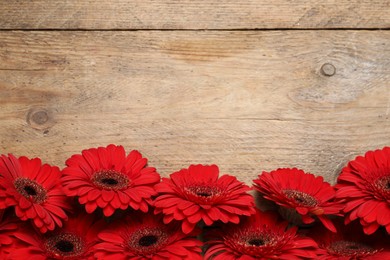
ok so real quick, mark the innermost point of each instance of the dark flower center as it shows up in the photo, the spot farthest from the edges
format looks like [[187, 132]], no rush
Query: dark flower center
[[203, 192], [350, 248], [381, 187], [256, 242], [384, 183], [30, 189], [301, 198], [65, 245], [147, 240], [110, 180]]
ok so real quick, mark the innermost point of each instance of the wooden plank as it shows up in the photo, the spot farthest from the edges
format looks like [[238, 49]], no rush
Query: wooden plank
[[193, 14], [247, 101]]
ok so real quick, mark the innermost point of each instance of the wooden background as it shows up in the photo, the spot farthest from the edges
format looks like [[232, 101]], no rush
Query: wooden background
[[248, 85]]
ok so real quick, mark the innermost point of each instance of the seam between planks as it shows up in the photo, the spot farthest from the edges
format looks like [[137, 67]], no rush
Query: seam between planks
[[227, 30]]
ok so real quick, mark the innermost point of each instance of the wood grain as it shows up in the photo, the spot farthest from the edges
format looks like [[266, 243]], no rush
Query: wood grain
[[247, 101], [193, 14]]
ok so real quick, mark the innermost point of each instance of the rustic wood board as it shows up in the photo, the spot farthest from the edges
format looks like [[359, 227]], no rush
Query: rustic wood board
[[247, 101], [193, 14]]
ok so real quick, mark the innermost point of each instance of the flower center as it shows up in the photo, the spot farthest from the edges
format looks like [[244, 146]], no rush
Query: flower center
[[382, 187], [30, 189], [65, 245], [110, 180], [147, 240], [256, 242], [301, 198], [350, 248], [203, 192]]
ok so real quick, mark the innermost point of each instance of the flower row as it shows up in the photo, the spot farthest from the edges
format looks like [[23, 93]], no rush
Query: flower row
[[108, 204]]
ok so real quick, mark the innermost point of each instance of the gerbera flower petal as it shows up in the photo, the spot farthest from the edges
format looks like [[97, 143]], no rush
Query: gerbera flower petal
[[33, 190], [110, 180], [196, 193], [309, 196], [364, 185], [383, 219], [261, 236], [349, 243], [73, 241], [145, 236], [366, 208], [327, 223], [8, 226], [370, 228]]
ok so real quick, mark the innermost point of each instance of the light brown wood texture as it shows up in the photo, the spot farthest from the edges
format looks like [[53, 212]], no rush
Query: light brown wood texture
[[193, 14], [247, 101]]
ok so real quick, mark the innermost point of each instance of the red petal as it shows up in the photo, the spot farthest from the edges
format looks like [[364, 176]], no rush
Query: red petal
[[191, 210], [90, 207], [327, 223], [138, 165], [24, 203], [108, 211], [372, 216], [370, 228], [187, 227], [93, 194], [302, 210], [214, 213], [107, 195], [383, 218], [366, 208], [110, 237], [115, 203]]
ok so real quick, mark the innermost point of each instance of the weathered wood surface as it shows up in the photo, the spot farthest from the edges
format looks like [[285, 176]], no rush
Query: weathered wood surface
[[193, 14], [247, 101]]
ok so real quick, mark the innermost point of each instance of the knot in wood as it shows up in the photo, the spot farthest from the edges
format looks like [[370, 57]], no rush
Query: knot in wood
[[40, 118], [328, 70]]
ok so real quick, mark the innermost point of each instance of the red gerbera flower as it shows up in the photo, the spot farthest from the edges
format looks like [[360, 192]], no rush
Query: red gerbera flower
[[34, 191], [349, 243], [73, 241], [302, 192], [196, 193], [105, 177], [261, 236], [7, 227], [145, 236], [365, 186]]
